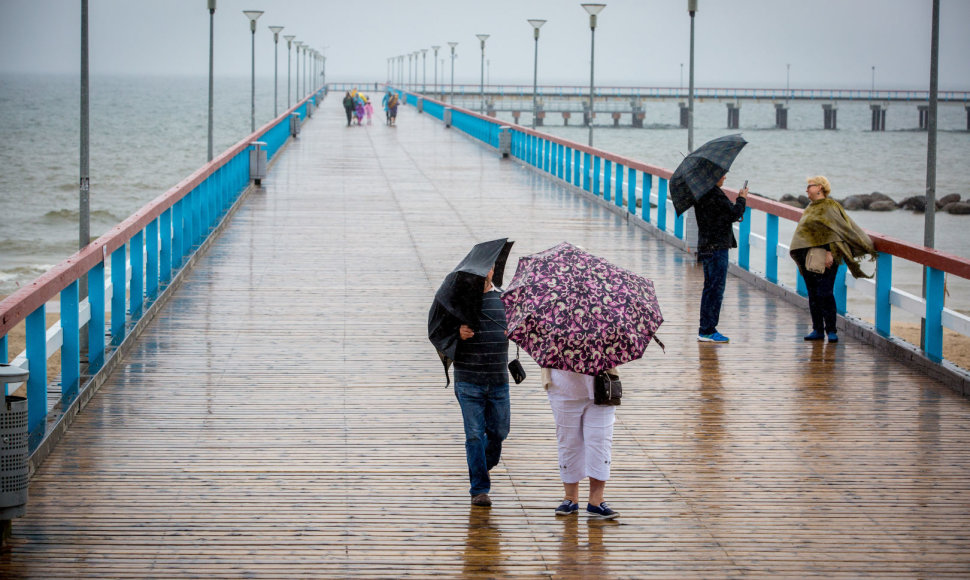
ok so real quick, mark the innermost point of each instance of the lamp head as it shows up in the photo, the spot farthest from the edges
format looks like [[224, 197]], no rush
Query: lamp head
[[452, 45], [593, 10], [483, 38], [536, 25], [253, 16], [435, 48], [276, 32], [211, 5], [692, 6]]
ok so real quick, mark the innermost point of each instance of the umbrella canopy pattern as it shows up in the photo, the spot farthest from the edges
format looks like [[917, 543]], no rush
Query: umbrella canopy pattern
[[701, 170], [574, 311]]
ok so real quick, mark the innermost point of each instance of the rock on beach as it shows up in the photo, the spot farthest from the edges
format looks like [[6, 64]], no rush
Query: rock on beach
[[876, 201]]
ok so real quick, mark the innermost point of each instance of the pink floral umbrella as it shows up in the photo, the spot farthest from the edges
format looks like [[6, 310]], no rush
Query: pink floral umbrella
[[574, 311]]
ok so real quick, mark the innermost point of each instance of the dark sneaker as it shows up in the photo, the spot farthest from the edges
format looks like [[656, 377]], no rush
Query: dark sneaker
[[713, 337], [482, 500], [601, 512], [833, 337], [567, 508], [814, 335]]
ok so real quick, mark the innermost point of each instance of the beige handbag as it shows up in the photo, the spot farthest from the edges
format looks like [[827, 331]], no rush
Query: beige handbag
[[815, 260]]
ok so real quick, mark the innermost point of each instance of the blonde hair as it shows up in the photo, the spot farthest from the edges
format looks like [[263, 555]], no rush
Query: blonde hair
[[822, 182]]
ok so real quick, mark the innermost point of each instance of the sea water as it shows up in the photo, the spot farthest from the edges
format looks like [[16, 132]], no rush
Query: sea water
[[148, 133]]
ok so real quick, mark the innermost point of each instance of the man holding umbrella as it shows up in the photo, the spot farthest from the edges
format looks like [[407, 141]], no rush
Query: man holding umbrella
[[467, 326], [697, 182], [715, 237]]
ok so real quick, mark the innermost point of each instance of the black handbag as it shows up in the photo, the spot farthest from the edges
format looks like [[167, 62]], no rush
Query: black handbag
[[515, 368], [607, 389]]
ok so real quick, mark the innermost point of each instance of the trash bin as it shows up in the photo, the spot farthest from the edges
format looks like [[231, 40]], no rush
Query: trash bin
[[13, 451], [446, 116], [257, 161], [294, 124], [505, 141]]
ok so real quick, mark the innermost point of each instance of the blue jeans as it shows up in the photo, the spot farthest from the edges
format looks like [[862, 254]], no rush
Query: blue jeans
[[715, 276], [486, 413]]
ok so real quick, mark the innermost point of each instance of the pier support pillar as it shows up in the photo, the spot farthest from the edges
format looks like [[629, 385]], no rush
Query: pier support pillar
[[636, 112], [733, 115], [540, 117], [566, 115], [616, 119], [588, 116], [781, 116], [515, 116], [684, 115], [967, 107], [830, 113], [878, 117], [638, 117], [924, 117]]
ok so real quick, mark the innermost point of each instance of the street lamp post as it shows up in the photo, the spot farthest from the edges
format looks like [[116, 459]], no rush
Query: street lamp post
[[593, 10], [212, 12], [481, 84], [253, 16], [299, 46], [691, 8], [410, 64], [276, 83], [787, 81], [872, 89], [84, 189], [424, 70], [435, 48], [452, 45], [536, 25], [289, 44]]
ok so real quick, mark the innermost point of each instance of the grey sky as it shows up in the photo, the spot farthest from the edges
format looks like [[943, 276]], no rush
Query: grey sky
[[740, 43]]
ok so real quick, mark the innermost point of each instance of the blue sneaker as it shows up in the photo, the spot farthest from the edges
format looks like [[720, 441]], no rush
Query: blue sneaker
[[713, 337], [567, 508], [814, 335], [833, 337], [601, 512]]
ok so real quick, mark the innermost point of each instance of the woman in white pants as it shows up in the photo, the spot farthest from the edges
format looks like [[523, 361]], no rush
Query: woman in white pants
[[585, 434]]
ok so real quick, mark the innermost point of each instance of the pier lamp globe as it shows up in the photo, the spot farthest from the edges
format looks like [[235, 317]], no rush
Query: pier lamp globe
[[253, 16], [289, 45], [452, 45], [481, 84], [276, 83], [536, 25], [593, 10]]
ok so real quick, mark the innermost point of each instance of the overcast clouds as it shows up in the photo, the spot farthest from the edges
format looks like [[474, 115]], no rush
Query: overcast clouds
[[829, 43]]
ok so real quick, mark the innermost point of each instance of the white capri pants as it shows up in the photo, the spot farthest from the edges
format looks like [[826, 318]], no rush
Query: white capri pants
[[584, 430]]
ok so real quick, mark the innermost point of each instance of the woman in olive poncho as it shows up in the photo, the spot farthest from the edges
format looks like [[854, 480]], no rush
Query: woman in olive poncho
[[825, 224]]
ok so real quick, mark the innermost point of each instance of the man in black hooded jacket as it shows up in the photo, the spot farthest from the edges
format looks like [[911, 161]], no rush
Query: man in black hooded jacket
[[715, 237]]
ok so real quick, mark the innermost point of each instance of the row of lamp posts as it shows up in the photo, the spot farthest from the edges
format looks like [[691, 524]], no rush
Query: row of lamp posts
[[310, 57]]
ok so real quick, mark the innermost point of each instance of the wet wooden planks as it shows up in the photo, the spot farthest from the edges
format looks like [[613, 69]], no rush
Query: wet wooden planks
[[286, 417]]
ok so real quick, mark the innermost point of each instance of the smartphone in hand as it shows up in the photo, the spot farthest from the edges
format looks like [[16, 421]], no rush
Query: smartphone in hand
[[745, 186]]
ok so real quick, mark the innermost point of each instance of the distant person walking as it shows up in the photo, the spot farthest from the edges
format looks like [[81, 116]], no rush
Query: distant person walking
[[715, 237], [830, 233], [349, 107], [392, 109]]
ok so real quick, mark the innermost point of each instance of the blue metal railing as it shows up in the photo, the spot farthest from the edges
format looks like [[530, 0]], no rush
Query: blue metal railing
[[127, 269]]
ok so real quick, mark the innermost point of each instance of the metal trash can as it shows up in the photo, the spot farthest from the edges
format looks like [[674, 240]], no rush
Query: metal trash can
[[309, 108], [294, 124], [446, 116], [14, 456], [257, 161], [505, 141]]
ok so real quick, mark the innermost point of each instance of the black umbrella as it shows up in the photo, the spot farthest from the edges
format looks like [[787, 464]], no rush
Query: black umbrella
[[459, 298], [701, 170]]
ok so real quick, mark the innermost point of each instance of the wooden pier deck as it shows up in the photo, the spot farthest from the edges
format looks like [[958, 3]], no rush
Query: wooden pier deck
[[285, 416]]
